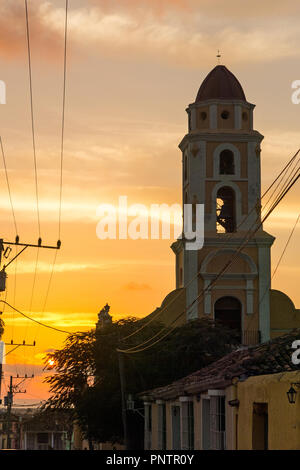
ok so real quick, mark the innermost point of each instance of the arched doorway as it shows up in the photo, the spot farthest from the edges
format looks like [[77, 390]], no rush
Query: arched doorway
[[228, 310]]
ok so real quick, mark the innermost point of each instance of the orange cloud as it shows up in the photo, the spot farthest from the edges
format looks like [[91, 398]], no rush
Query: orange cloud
[[157, 7], [137, 286], [46, 42], [173, 30]]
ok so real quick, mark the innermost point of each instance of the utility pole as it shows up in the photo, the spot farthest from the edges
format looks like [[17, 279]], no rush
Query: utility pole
[[2, 346], [8, 401], [3, 355], [5, 253], [24, 246], [123, 397]]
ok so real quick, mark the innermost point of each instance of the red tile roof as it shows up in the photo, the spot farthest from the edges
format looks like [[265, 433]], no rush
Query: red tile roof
[[267, 358]]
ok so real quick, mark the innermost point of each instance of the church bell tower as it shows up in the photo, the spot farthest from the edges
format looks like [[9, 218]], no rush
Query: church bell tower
[[221, 169]]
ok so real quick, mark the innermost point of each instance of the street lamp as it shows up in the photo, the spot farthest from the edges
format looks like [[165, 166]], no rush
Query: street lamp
[[292, 393]]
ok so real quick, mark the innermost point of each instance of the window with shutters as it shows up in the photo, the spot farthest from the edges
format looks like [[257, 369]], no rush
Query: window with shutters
[[217, 423], [162, 431], [187, 431]]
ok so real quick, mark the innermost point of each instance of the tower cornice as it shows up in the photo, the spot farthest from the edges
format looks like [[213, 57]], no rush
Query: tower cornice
[[220, 136], [201, 104]]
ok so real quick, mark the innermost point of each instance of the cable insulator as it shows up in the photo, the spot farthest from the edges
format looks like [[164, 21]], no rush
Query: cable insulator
[[58, 244], [39, 241], [17, 239]]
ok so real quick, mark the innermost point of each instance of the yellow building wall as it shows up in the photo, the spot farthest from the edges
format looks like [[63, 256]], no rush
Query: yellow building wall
[[283, 417], [284, 315]]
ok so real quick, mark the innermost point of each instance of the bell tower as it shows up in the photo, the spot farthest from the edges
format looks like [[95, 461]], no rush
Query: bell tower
[[221, 169]]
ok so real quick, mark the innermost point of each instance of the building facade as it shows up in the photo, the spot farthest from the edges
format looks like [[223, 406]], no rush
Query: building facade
[[239, 402], [221, 170]]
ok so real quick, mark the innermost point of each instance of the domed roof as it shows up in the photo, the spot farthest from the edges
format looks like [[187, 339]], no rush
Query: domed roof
[[220, 84]]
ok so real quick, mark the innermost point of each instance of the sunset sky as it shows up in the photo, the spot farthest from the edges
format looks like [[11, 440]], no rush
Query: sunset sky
[[133, 67]]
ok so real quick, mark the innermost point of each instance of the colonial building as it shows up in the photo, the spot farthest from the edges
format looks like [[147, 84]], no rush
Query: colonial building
[[221, 156], [221, 169], [30, 429], [239, 401], [249, 399]]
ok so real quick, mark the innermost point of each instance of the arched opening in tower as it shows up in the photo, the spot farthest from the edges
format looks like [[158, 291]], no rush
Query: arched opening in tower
[[228, 311], [226, 162], [225, 209]]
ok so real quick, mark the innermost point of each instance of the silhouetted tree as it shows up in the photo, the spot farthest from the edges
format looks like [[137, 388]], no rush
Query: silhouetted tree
[[87, 381]]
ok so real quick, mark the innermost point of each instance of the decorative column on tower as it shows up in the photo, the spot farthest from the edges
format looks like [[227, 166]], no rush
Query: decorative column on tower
[[221, 169]]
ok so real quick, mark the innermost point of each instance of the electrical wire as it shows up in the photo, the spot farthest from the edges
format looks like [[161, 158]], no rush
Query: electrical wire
[[284, 176], [61, 159], [286, 245], [277, 266], [33, 320], [281, 175], [36, 171], [47, 291], [63, 120], [155, 315], [32, 119], [287, 187], [14, 302], [8, 186], [34, 151], [15, 290], [30, 304]]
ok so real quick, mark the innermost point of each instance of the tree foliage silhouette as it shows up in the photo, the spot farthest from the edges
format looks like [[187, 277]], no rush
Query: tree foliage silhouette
[[86, 378]]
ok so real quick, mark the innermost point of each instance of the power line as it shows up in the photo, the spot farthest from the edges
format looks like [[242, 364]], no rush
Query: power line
[[155, 315], [63, 121], [8, 186], [32, 118], [34, 279], [284, 176], [287, 187], [15, 288], [286, 245], [281, 173], [33, 320], [48, 290], [32, 291], [278, 263]]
